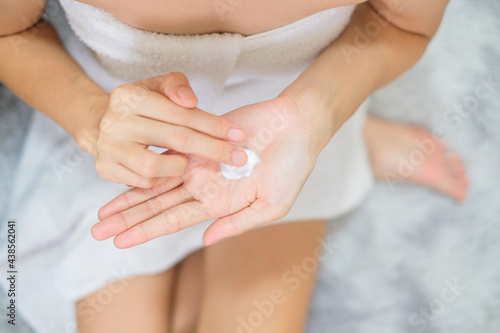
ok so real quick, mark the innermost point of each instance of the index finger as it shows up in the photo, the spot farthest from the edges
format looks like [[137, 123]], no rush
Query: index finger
[[156, 106]]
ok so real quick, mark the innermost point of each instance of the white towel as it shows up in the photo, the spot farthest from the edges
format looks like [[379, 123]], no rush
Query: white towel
[[55, 208]]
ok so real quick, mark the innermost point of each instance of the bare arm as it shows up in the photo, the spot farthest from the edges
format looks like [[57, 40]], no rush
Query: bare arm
[[382, 41], [379, 44], [37, 68]]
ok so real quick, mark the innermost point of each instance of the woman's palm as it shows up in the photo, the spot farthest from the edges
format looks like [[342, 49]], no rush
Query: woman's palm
[[276, 133]]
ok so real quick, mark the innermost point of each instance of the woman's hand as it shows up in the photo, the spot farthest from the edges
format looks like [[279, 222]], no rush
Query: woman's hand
[[287, 144], [159, 112]]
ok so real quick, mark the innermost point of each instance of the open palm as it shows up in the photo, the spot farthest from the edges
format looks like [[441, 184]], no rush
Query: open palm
[[276, 131]]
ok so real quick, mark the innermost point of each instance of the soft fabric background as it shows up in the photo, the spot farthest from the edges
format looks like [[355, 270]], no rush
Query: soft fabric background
[[408, 260]]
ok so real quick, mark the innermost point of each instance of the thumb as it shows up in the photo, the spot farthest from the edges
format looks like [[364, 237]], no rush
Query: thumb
[[175, 86]]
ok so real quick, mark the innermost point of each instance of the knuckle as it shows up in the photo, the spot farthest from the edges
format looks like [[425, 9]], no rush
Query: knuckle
[[179, 166], [144, 232], [154, 206], [171, 79], [122, 221], [182, 139], [145, 183], [184, 194], [107, 123], [172, 223], [218, 128], [104, 149], [125, 97], [137, 93], [181, 115], [149, 166], [101, 168], [121, 93], [223, 151], [154, 191], [175, 76]]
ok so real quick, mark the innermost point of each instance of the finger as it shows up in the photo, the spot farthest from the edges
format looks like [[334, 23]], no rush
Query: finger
[[120, 174], [235, 224], [122, 221], [180, 139], [149, 164], [175, 86], [156, 106], [170, 221], [136, 196]]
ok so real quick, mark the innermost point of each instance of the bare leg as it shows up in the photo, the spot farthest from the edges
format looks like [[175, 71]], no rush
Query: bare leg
[[140, 304], [409, 153], [187, 293], [262, 280]]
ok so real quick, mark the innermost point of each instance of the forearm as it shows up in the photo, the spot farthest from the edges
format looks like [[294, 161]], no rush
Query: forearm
[[37, 68], [347, 72]]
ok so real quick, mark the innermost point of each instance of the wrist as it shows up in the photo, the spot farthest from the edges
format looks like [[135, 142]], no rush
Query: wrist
[[90, 111], [318, 108]]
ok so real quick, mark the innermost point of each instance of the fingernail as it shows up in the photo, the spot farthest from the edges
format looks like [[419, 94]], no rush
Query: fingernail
[[236, 134], [239, 157], [185, 93]]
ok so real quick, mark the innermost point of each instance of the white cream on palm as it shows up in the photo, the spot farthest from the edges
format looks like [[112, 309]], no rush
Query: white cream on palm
[[231, 172]]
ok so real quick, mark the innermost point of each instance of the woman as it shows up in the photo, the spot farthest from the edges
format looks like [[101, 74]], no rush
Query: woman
[[283, 81]]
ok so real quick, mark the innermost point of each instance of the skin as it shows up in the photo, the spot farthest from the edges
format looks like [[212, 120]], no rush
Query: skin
[[318, 94], [93, 109], [243, 204], [214, 287], [318, 103], [241, 17]]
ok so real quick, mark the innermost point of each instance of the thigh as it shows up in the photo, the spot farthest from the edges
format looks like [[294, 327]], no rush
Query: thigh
[[140, 304], [187, 293], [261, 281]]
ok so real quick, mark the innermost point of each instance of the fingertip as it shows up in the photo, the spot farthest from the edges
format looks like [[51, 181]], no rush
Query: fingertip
[[239, 158], [102, 213], [108, 210], [97, 233], [211, 238], [122, 241], [219, 230], [116, 205], [207, 241]]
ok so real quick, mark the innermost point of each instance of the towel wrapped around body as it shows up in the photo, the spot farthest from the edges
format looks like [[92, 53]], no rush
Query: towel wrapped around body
[[57, 191]]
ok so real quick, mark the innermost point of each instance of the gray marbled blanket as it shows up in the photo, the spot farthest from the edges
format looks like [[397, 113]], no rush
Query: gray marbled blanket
[[408, 260]]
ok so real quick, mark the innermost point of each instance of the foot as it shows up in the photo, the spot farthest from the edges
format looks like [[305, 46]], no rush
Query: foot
[[401, 152]]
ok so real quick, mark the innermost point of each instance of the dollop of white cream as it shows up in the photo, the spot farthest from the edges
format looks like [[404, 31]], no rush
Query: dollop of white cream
[[231, 172]]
